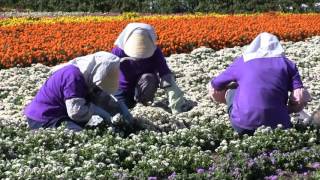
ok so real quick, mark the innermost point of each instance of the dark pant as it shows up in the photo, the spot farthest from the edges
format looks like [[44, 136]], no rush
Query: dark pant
[[144, 91], [70, 124], [229, 99]]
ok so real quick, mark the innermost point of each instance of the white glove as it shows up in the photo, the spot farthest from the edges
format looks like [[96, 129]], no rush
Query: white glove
[[102, 113], [176, 100], [175, 95], [94, 121], [124, 111]]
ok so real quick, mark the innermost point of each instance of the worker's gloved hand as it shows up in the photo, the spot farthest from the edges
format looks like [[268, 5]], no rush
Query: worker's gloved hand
[[102, 113], [94, 121], [124, 111], [220, 95], [176, 100], [104, 101], [298, 99], [124, 114], [114, 112], [215, 95], [294, 107], [177, 103]]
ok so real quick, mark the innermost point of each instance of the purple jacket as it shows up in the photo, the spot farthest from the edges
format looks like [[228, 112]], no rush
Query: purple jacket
[[132, 70], [49, 103], [262, 95]]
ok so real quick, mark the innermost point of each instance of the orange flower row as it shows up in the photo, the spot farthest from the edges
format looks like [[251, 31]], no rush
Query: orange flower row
[[59, 42]]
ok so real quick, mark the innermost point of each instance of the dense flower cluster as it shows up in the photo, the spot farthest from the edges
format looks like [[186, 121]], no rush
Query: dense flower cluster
[[57, 40], [192, 145], [74, 17]]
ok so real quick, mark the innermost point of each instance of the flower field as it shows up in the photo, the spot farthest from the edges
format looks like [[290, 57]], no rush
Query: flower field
[[53, 40], [199, 144]]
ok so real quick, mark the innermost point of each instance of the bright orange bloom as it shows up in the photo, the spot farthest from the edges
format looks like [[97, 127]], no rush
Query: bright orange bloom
[[59, 42]]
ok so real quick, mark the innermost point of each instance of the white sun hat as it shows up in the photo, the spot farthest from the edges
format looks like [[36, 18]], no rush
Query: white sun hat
[[100, 69], [263, 46], [138, 40]]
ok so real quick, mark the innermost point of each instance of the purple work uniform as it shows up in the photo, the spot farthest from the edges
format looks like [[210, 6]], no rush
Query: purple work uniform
[[48, 107], [262, 95], [131, 72]]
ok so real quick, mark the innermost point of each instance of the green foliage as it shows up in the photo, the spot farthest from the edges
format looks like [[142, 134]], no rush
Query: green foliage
[[164, 6], [195, 153]]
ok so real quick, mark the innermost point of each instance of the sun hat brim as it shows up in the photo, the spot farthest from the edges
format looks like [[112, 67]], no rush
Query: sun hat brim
[[110, 83], [139, 45]]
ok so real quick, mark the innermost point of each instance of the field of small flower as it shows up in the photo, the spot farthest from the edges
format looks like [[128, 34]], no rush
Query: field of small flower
[[195, 144]]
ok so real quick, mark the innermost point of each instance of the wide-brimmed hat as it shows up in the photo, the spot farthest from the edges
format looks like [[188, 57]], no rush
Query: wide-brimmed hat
[[100, 69], [139, 45], [105, 71], [138, 40], [110, 83]]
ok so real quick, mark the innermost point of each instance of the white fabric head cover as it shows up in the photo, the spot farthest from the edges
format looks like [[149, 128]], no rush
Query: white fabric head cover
[[100, 69], [138, 40], [264, 45]]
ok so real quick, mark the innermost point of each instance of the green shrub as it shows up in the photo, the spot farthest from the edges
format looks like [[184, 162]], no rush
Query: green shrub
[[164, 6]]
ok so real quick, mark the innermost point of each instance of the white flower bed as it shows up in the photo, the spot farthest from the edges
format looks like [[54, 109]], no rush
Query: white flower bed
[[193, 71], [207, 149]]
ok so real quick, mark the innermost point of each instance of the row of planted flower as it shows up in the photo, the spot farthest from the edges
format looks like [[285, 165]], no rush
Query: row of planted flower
[[100, 153], [54, 40], [63, 17], [199, 144]]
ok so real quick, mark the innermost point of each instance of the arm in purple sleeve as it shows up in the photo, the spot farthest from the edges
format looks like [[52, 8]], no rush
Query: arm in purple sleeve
[[74, 92], [162, 65], [295, 79], [299, 97], [75, 86], [221, 81]]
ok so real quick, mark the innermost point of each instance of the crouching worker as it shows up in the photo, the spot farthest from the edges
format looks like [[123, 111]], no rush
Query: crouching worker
[[263, 77], [68, 95], [143, 69]]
